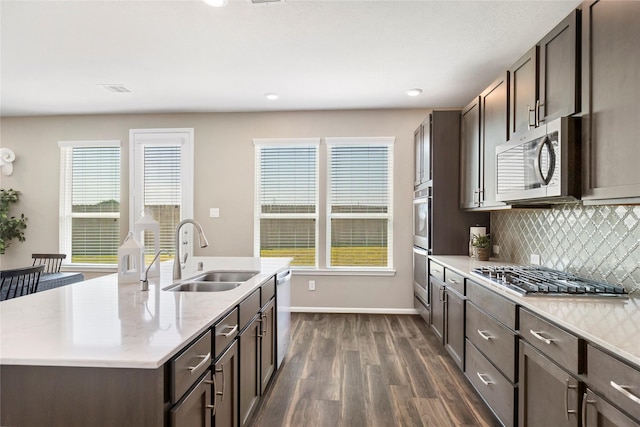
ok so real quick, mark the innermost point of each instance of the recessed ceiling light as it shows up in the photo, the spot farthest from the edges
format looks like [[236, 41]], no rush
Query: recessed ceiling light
[[271, 96], [414, 92], [216, 3]]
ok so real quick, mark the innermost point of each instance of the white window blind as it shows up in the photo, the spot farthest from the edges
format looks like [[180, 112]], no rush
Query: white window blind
[[359, 226], [162, 178], [90, 201], [287, 200]]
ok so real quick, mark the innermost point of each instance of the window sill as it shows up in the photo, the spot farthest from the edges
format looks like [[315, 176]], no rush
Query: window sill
[[90, 268], [343, 272]]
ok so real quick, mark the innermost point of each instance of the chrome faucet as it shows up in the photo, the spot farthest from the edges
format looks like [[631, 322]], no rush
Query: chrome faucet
[[144, 283], [177, 263]]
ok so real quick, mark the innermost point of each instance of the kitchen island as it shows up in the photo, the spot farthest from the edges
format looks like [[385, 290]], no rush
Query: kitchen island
[[96, 352]]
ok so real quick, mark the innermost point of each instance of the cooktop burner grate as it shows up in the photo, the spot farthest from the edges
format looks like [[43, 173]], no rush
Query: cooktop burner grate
[[536, 280]]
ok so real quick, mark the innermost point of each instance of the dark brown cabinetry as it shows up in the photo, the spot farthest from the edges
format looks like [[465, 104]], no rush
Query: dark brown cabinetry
[[225, 389], [195, 408], [524, 92], [267, 344], [610, 107], [249, 341], [470, 155], [597, 412], [422, 149]]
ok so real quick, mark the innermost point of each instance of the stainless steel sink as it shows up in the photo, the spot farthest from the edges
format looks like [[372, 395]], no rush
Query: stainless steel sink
[[224, 276], [212, 281], [193, 286]]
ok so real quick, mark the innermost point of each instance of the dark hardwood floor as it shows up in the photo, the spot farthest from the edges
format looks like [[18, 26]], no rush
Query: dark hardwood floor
[[368, 370]]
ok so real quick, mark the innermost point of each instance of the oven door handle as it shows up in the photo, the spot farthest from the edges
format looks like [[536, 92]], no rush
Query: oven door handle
[[545, 178]]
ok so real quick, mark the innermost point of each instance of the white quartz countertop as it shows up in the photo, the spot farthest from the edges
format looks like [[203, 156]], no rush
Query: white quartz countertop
[[99, 323], [611, 323]]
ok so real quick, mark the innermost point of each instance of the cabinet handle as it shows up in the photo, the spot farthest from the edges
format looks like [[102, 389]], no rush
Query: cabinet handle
[[212, 407], [486, 382], [265, 323], [540, 337], [206, 358], [623, 389], [566, 399], [585, 402], [538, 113], [529, 111], [224, 383], [232, 331], [484, 335], [453, 282]]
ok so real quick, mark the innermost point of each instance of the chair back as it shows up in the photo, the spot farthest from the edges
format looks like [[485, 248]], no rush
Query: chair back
[[19, 281], [52, 262]]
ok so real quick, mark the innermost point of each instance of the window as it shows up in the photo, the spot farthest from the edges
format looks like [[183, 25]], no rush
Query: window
[[357, 231], [287, 200], [161, 173], [90, 201], [359, 202]]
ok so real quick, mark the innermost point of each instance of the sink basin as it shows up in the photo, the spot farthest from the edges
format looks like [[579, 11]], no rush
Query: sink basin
[[224, 276], [196, 286]]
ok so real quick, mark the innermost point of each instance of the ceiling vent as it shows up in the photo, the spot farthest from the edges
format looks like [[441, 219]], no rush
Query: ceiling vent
[[266, 1], [116, 88]]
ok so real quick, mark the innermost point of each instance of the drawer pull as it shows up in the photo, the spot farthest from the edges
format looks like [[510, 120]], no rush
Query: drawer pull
[[566, 399], [232, 331], [484, 335], [623, 389], [453, 282], [586, 402], [540, 337], [205, 358], [486, 382]]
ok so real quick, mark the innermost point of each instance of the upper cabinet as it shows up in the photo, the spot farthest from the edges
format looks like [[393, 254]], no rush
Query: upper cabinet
[[484, 127], [545, 82], [610, 102], [422, 149]]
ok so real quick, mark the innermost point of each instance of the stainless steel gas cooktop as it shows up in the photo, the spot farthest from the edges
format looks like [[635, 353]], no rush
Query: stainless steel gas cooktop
[[536, 280]]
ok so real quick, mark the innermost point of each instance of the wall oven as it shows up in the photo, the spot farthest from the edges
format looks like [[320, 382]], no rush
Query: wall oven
[[422, 199], [543, 165]]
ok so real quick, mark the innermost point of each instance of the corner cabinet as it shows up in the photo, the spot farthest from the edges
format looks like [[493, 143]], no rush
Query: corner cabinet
[[610, 104]]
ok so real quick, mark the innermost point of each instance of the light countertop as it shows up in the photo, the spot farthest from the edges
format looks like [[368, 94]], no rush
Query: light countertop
[[99, 323], [611, 323]]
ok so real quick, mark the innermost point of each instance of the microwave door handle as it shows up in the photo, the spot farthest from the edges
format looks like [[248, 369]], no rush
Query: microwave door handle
[[545, 179]]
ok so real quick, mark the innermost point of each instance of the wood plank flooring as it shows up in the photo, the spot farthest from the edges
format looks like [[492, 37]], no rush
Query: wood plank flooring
[[368, 370]]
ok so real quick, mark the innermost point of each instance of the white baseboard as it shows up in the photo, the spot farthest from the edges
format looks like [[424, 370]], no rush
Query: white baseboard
[[354, 310]]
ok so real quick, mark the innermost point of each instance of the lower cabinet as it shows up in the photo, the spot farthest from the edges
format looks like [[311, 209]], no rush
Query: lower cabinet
[[249, 340], [195, 408], [438, 305], [597, 412], [267, 344], [548, 395], [454, 326], [225, 389]]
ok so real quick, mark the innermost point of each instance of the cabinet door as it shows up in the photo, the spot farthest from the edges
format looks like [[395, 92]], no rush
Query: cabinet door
[[523, 79], [195, 408], [559, 68], [437, 307], [454, 326], [426, 149], [548, 395], [267, 344], [597, 412], [470, 150], [225, 396], [495, 131], [249, 370], [610, 106], [418, 152]]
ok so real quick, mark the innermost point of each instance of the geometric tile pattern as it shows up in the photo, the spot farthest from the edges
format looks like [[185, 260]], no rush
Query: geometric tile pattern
[[599, 242]]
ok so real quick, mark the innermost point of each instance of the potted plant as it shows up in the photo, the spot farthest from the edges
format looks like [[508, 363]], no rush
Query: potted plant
[[10, 226], [481, 247]]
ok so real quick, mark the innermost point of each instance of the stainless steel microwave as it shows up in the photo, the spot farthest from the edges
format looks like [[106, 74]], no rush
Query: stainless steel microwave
[[542, 165]]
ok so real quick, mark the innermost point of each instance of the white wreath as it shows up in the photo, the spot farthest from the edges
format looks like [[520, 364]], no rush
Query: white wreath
[[7, 156]]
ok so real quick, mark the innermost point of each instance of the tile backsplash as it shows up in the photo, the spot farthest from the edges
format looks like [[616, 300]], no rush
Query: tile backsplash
[[600, 242]]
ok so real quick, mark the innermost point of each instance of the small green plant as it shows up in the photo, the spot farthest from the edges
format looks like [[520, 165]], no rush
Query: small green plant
[[482, 241], [10, 226]]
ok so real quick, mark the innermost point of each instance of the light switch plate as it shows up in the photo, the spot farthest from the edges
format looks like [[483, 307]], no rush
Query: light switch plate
[[535, 259], [214, 212]]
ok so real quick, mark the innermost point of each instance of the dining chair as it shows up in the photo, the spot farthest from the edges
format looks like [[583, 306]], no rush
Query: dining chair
[[19, 281], [52, 262]]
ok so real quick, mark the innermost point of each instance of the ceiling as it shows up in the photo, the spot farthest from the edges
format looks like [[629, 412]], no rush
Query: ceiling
[[185, 56]]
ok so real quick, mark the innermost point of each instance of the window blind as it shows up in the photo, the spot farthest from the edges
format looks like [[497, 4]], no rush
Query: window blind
[[287, 193], [90, 202]]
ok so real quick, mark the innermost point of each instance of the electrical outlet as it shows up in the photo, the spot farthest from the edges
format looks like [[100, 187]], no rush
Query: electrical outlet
[[535, 259], [214, 212], [496, 250], [312, 285]]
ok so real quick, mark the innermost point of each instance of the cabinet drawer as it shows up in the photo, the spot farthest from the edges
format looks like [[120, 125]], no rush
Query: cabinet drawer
[[559, 345], [190, 365], [493, 339], [615, 380], [495, 389], [597, 412], [248, 308], [454, 280], [194, 409], [492, 303], [268, 291], [225, 331], [436, 270]]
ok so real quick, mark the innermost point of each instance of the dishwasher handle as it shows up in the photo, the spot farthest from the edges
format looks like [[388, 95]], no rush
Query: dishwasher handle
[[283, 276]]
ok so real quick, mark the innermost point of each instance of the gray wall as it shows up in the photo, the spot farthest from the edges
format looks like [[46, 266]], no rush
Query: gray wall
[[224, 178]]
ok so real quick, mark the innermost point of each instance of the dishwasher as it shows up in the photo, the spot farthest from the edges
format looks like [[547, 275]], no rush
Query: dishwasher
[[283, 319]]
